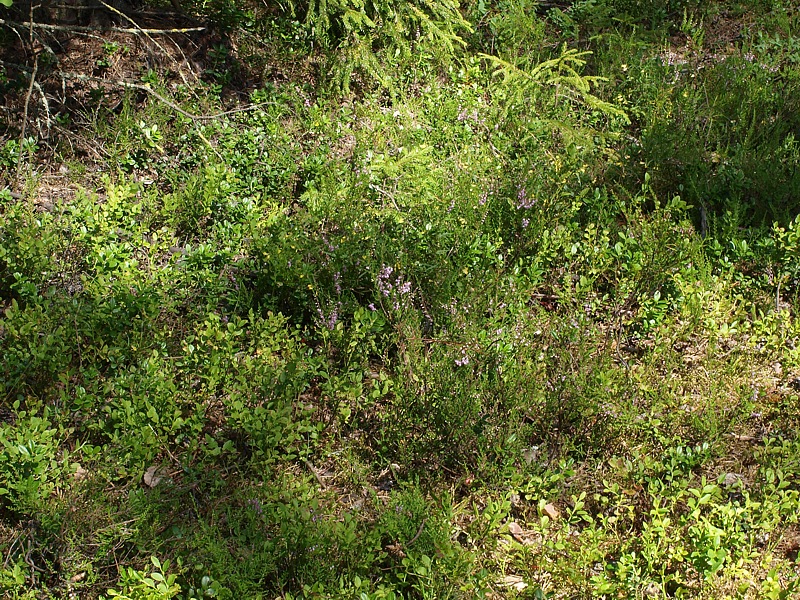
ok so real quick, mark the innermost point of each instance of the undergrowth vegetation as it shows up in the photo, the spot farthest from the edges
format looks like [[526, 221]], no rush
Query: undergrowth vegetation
[[496, 300]]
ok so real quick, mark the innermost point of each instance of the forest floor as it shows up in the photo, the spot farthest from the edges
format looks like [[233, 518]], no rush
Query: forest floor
[[406, 300]]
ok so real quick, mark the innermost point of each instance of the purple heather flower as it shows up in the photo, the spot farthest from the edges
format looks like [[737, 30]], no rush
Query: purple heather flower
[[334, 316], [393, 290], [330, 246], [337, 282], [384, 285], [256, 506], [330, 321], [464, 360], [523, 201]]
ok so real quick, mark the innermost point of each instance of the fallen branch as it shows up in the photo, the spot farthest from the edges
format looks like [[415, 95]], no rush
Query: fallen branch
[[135, 25], [317, 476], [25, 112], [398, 549], [89, 29], [419, 532], [159, 97]]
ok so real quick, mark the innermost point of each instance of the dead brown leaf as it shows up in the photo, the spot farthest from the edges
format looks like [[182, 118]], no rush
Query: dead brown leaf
[[551, 511], [513, 581], [153, 476]]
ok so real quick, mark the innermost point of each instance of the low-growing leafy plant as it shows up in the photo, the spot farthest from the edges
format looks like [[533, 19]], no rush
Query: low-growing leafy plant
[[519, 320]]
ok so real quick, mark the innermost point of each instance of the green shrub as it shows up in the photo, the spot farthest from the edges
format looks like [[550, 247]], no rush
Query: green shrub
[[31, 464], [144, 585]]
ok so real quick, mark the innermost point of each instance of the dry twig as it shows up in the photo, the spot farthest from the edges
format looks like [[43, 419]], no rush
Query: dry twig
[[27, 107], [159, 97], [136, 26], [90, 29]]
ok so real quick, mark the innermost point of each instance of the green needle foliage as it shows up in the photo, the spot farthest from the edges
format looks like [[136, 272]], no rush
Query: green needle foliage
[[363, 34]]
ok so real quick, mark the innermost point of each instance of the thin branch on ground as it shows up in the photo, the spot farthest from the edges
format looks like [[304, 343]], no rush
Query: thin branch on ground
[[135, 25], [317, 476], [419, 532], [145, 88], [45, 103], [89, 29], [27, 108], [159, 97]]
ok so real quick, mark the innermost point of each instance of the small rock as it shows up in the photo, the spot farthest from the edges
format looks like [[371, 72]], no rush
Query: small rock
[[63, 169]]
